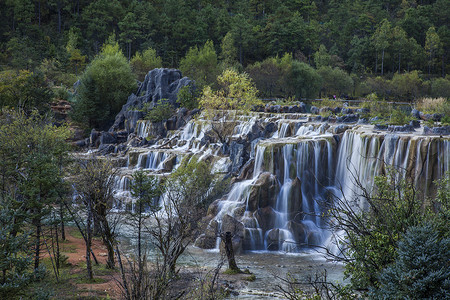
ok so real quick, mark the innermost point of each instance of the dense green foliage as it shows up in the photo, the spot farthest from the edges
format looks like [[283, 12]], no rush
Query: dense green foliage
[[161, 112], [366, 38], [32, 152], [143, 62], [24, 90], [421, 269], [200, 64], [104, 88], [377, 252]]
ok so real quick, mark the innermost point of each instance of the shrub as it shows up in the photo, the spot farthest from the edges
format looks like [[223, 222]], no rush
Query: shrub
[[162, 111], [433, 105], [421, 269], [142, 62], [304, 80], [188, 97], [335, 81], [200, 64], [440, 87], [399, 117], [407, 86], [105, 85]]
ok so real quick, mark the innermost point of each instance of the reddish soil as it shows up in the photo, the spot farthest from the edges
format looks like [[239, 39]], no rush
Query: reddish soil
[[75, 249]]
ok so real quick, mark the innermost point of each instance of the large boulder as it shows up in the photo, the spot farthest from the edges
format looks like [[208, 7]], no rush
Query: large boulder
[[158, 84], [266, 217], [264, 192], [237, 156]]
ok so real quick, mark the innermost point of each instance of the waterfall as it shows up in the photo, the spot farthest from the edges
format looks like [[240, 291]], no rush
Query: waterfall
[[297, 166]]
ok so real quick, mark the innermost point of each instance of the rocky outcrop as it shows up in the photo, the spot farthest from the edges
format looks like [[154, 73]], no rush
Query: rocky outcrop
[[158, 84]]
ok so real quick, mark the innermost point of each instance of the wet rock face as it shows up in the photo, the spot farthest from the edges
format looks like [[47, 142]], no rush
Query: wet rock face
[[264, 192], [158, 84]]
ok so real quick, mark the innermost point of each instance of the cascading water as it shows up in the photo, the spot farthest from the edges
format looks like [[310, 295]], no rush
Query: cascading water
[[278, 205]]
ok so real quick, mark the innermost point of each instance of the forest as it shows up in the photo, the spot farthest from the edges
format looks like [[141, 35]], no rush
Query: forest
[[137, 136], [395, 49]]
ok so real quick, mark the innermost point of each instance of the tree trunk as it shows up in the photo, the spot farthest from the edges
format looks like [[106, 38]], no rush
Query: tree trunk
[[39, 12], [58, 254], [429, 66], [61, 216], [81, 231], [230, 253], [376, 62], [140, 262], [88, 244], [382, 63], [59, 16], [108, 240], [124, 279], [37, 250]]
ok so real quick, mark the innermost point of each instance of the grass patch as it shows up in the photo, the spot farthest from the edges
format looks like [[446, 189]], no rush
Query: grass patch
[[432, 105], [67, 247], [75, 233], [232, 272], [85, 280], [250, 278]]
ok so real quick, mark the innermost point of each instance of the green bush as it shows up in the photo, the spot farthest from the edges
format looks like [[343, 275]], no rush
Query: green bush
[[201, 64], [161, 112], [399, 117], [407, 86], [335, 81], [440, 87], [105, 85], [143, 62], [304, 80], [421, 269], [188, 97]]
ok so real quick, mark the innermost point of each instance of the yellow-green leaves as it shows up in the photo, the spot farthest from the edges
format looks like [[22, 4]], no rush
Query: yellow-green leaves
[[237, 92]]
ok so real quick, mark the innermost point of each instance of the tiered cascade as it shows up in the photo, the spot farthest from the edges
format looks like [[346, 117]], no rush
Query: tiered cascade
[[286, 169]]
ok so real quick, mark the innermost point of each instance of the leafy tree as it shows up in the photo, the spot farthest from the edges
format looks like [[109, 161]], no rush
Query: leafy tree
[[142, 62], [321, 57], [228, 54], [101, 19], [129, 31], [188, 97], [381, 39], [15, 254], [304, 79], [373, 229], [145, 190], [24, 90], [200, 64], [161, 112], [407, 86], [399, 44], [94, 184], [440, 87], [237, 93], [186, 195], [421, 268], [432, 46], [270, 75], [77, 60], [31, 167], [105, 86], [241, 30], [335, 81]]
